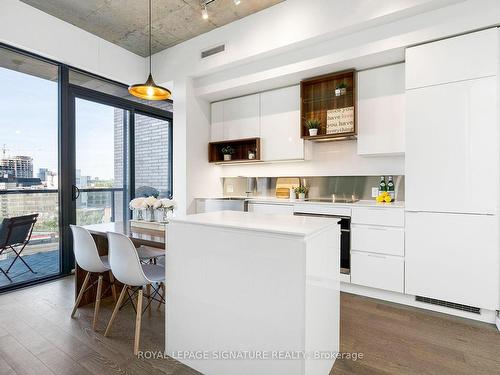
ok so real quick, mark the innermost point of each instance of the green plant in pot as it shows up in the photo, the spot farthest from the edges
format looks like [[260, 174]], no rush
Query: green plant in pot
[[301, 191], [313, 125], [227, 151], [341, 89]]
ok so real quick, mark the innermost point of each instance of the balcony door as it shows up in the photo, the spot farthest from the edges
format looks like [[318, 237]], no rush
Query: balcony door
[[101, 162]]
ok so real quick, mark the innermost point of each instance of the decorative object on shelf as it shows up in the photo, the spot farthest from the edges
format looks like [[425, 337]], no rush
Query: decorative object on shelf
[[341, 89], [331, 99], [166, 208], [340, 121], [313, 125], [149, 90], [150, 211], [227, 151], [251, 155], [241, 149], [301, 191], [384, 197], [293, 196]]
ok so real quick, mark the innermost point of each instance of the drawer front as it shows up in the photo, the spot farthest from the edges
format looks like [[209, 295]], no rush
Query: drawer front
[[375, 239], [270, 208], [392, 217], [377, 271]]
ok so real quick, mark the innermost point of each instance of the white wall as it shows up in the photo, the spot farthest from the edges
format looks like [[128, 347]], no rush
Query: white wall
[[193, 175], [30, 29]]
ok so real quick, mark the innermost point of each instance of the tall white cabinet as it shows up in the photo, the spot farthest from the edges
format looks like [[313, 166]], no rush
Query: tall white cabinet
[[452, 160]]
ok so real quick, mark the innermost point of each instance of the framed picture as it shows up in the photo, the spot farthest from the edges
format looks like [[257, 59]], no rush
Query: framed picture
[[340, 120]]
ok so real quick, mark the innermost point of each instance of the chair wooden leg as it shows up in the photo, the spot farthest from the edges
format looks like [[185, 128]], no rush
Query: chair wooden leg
[[113, 286], [97, 301], [162, 286], [138, 322], [115, 310], [148, 292], [80, 293]]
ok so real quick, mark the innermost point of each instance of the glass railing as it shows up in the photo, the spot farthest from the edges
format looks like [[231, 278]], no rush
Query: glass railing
[[93, 206]]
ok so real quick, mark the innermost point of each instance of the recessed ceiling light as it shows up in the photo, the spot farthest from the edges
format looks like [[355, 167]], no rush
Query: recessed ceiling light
[[237, 2]]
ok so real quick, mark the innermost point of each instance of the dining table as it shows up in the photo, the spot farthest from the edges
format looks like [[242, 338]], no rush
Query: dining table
[[140, 236]]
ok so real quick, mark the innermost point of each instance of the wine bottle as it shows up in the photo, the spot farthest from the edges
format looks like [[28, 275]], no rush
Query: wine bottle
[[390, 188], [382, 186]]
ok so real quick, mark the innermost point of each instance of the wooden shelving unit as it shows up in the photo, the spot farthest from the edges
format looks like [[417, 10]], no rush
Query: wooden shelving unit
[[318, 98], [241, 147]]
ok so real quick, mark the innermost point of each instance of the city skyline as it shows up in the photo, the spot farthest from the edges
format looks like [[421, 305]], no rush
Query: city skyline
[[29, 126]]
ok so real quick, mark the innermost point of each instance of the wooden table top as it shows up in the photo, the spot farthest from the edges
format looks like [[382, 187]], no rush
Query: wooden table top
[[139, 236]]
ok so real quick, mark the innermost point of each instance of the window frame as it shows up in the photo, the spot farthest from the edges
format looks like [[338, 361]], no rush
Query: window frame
[[67, 94]]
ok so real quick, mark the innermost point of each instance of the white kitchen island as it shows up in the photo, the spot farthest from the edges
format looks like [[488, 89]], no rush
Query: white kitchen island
[[253, 293]]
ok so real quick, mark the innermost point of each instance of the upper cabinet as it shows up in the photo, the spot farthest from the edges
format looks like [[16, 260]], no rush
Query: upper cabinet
[[280, 124], [272, 116], [237, 118], [381, 110], [455, 59]]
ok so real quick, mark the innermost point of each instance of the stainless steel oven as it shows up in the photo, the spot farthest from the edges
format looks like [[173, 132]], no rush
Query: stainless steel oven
[[345, 238]]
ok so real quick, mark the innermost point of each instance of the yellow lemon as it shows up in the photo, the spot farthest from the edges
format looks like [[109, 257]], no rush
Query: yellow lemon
[[385, 193], [387, 199], [380, 199]]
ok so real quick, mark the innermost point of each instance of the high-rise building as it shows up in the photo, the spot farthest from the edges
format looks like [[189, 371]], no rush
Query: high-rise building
[[16, 166]]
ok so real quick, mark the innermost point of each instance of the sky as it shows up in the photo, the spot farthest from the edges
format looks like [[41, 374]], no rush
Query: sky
[[28, 125]]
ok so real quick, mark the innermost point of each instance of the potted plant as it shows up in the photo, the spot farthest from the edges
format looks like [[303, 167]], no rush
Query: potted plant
[[313, 125], [341, 89], [227, 152], [301, 191]]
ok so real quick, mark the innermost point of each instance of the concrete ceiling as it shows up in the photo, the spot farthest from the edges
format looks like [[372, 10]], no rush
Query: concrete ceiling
[[125, 22]]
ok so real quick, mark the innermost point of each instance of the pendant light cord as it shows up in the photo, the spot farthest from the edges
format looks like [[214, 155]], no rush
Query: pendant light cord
[[150, 57]]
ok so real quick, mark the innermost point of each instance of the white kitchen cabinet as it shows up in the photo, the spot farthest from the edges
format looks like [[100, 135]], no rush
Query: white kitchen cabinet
[[381, 110], [217, 122], [264, 208], [452, 147], [453, 257], [377, 239], [280, 124], [242, 117], [236, 118], [459, 58], [377, 271], [385, 216]]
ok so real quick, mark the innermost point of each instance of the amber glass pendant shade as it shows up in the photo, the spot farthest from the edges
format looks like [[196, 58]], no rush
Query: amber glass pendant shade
[[149, 90]]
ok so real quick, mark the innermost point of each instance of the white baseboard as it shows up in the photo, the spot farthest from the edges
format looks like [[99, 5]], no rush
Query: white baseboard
[[487, 316]]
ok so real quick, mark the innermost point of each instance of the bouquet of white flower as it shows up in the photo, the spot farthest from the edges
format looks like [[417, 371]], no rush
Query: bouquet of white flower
[[165, 206], [138, 204]]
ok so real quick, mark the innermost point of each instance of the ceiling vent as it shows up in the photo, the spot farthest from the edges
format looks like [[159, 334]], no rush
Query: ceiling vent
[[213, 51], [451, 305]]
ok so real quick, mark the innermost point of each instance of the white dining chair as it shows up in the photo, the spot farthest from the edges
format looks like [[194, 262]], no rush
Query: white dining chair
[[148, 254], [127, 268], [88, 258]]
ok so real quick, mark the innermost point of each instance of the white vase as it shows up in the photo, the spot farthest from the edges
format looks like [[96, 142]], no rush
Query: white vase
[[313, 132], [302, 196], [227, 157], [150, 214]]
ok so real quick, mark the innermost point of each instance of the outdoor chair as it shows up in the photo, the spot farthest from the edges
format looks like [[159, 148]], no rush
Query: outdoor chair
[[15, 234]]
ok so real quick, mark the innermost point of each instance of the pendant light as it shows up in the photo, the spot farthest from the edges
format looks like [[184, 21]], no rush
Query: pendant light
[[149, 90]]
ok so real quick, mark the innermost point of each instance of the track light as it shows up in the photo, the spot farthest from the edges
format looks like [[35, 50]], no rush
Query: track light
[[237, 2], [204, 12]]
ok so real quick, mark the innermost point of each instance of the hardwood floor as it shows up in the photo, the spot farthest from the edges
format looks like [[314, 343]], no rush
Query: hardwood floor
[[37, 336]]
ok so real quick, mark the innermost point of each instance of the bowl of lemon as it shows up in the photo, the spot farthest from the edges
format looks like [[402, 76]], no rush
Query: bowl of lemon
[[384, 197]]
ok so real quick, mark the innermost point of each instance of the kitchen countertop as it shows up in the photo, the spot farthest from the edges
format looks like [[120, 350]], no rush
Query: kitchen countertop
[[290, 225], [274, 200]]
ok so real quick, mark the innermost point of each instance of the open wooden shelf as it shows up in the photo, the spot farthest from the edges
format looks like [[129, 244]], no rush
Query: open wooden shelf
[[241, 147], [318, 97]]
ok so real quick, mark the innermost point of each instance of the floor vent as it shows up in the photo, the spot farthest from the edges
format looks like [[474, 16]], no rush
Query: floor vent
[[213, 51], [451, 305]]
